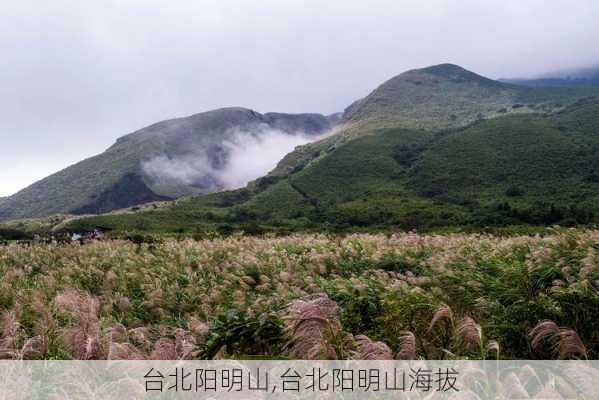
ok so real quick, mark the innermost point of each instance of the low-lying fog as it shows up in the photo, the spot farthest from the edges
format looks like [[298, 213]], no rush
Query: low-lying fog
[[247, 156]]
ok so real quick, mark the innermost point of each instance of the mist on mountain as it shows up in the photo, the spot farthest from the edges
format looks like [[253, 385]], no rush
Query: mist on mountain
[[243, 157]]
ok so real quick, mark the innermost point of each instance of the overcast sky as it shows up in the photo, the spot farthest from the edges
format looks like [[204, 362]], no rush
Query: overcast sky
[[75, 75]]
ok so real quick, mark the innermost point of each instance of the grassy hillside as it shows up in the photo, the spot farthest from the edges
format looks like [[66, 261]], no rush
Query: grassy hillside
[[430, 148], [445, 96], [526, 155], [535, 169], [432, 98], [436, 98], [115, 179]]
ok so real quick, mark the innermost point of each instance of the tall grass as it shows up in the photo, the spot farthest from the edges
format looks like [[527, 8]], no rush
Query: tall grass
[[366, 296]]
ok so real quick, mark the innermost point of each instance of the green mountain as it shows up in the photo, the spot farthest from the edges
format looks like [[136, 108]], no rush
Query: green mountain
[[163, 161], [440, 146], [437, 97], [445, 96]]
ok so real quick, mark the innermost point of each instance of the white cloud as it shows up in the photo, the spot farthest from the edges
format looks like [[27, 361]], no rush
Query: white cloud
[[253, 156], [249, 155]]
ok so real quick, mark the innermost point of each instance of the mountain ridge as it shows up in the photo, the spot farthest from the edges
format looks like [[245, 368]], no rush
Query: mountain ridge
[[409, 112], [115, 179], [490, 173]]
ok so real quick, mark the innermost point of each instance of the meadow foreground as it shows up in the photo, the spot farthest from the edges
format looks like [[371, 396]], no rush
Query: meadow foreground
[[304, 296]]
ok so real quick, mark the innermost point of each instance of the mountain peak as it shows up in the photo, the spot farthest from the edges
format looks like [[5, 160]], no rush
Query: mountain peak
[[449, 72], [446, 69], [434, 97]]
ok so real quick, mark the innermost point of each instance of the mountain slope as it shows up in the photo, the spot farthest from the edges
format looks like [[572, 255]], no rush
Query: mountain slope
[[435, 98], [536, 162], [448, 96], [145, 166], [432, 98]]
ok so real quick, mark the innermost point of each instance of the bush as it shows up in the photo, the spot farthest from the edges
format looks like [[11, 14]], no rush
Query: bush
[[245, 336], [14, 234]]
